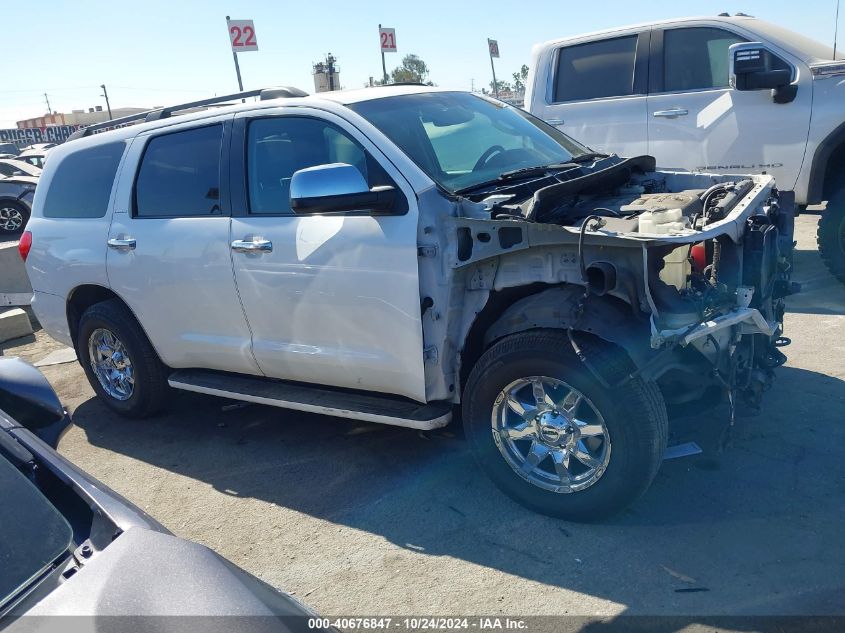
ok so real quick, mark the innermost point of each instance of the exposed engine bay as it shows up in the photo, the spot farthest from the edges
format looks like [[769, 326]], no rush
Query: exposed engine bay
[[702, 261]]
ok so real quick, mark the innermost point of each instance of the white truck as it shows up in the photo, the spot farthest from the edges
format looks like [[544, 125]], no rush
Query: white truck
[[401, 253], [710, 94]]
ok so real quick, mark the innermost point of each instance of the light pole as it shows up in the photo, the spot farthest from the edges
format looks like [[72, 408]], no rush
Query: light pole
[[106, 95]]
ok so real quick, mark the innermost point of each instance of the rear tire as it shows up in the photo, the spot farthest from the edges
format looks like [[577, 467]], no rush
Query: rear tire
[[119, 361], [830, 235], [621, 431], [13, 217]]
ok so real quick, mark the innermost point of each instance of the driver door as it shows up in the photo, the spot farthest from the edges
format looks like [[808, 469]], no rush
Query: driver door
[[331, 299]]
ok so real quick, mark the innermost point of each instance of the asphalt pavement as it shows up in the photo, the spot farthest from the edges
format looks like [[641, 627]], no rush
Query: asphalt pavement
[[364, 519]]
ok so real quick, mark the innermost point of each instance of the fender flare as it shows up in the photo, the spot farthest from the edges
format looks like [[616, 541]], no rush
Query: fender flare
[[606, 317], [821, 158]]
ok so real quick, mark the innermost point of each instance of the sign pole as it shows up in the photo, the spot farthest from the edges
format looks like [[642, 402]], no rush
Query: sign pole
[[383, 65], [493, 49], [495, 83], [237, 66]]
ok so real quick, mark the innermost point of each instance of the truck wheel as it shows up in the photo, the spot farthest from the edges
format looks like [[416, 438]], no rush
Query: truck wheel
[[13, 217], [554, 439], [830, 235], [119, 361]]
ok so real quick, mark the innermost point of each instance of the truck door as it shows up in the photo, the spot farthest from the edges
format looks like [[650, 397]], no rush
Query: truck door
[[697, 122], [595, 91], [331, 299]]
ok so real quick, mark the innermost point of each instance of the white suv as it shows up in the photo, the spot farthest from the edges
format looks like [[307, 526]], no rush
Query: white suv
[[716, 93], [390, 253]]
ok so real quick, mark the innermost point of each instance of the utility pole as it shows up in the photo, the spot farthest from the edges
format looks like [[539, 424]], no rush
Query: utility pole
[[383, 64], [836, 29], [472, 84], [47, 99], [106, 95]]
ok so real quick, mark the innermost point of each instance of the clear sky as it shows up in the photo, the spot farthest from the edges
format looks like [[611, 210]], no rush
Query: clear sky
[[157, 52]]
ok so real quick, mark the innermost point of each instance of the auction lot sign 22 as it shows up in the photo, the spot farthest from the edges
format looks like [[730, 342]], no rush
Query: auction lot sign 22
[[30, 135]]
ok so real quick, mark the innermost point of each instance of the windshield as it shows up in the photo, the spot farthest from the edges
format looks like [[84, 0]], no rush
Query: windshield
[[462, 140], [34, 533]]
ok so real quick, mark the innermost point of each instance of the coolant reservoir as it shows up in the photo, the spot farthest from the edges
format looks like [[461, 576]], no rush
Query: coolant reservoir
[[676, 267], [660, 221]]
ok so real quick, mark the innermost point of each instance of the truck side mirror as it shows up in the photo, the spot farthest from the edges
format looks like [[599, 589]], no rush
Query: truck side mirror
[[754, 67], [337, 188]]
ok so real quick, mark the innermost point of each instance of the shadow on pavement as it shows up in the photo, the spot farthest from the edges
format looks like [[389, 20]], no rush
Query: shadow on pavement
[[821, 292], [756, 529]]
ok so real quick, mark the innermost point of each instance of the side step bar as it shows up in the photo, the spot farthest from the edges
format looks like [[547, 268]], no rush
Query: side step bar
[[323, 400]]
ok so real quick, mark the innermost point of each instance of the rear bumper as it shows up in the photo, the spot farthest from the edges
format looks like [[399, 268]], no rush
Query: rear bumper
[[51, 312]]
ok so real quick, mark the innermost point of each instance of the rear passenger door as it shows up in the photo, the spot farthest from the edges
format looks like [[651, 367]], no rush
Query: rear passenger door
[[168, 254], [332, 299], [596, 92]]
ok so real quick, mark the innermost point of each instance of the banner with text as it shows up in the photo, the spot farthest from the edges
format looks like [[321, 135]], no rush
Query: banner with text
[[31, 135]]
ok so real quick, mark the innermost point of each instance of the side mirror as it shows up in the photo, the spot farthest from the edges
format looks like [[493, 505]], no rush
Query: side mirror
[[754, 67], [27, 397], [336, 188]]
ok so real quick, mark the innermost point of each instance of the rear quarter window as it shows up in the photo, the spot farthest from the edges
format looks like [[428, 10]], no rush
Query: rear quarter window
[[82, 183]]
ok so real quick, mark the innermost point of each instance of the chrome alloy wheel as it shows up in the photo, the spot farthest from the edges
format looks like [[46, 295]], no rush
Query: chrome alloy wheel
[[11, 219], [111, 364], [550, 434]]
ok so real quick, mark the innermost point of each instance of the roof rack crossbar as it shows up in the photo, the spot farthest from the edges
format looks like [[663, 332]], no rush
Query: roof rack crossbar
[[160, 113]]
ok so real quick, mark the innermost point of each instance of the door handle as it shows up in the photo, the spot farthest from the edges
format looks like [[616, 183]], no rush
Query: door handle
[[670, 114], [252, 246], [127, 244], [554, 121]]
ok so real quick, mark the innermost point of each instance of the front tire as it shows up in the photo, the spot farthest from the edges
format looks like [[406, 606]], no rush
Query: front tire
[[554, 439], [119, 361], [830, 235]]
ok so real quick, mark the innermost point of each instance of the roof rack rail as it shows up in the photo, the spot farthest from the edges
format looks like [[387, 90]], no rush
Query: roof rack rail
[[281, 92]]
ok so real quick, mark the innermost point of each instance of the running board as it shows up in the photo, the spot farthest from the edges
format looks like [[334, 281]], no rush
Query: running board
[[323, 400]]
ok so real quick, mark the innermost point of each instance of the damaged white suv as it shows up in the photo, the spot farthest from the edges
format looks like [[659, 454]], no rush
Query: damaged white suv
[[389, 254]]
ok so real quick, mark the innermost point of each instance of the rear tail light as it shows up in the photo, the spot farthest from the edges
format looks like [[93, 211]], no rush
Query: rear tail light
[[25, 245]]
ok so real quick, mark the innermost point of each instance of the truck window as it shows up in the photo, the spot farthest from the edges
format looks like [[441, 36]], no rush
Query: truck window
[[279, 146], [81, 186], [696, 58], [596, 69], [180, 174]]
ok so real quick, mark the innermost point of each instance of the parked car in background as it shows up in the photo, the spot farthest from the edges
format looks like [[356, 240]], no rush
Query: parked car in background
[[16, 195], [34, 157], [389, 254], [720, 93], [8, 150], [74, 547], [14, 167]]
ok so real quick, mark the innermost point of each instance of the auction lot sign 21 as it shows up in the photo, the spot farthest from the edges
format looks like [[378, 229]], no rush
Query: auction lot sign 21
[[30, 135]]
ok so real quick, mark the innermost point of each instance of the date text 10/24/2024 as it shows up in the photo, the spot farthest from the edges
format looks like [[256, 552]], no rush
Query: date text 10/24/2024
[[418, 623]]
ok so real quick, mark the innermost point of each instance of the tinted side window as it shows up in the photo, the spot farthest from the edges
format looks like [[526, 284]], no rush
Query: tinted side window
[[596, 69], [696, 58], [180, 174], [277, 147], [82, 184]]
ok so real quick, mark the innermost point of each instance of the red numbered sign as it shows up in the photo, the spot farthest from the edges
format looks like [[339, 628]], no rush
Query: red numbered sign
[[493, 47], [387, 38], [242, 35]]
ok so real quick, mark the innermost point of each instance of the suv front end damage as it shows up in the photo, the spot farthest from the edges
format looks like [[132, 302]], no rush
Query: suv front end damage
[[697, 301]]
